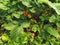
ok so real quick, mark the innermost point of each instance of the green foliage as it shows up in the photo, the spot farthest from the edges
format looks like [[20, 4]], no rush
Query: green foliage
[[39, 18], [51, 30]]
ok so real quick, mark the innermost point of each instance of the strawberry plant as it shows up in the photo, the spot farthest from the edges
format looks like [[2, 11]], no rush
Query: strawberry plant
[[29, 22]]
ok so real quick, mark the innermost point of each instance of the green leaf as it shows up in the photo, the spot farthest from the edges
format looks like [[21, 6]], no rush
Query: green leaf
[[17, 14], [15, 22], [44, 17], [8, 18], [58, 18], [42, 1], [15, 33], [3, 7], [35, 28], [52, 18], [27, 3], [9, 26], [4, 0], [33, 10], [51, 30], [5, 37], [56, 7], [58, 24], [1, 42], [25, 24]]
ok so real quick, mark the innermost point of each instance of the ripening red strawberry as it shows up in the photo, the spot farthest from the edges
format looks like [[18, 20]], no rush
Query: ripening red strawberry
[[25, 13]]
